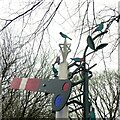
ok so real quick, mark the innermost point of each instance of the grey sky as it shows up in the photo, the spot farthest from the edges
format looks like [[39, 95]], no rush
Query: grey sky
[[8, 7]]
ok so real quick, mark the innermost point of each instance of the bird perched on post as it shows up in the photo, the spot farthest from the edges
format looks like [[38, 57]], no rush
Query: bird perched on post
[[64, 36]]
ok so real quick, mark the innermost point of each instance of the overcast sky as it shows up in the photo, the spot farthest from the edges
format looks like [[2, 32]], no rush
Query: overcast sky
[[6, 9]]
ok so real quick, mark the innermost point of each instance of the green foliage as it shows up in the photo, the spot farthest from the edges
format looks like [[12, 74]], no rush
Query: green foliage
[[101, 46], [90, 42]]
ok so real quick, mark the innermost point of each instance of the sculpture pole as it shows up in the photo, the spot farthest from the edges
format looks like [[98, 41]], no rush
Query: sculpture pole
[[63, 74]]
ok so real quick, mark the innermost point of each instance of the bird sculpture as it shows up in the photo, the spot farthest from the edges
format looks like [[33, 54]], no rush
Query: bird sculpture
[[54, 70], [77, 59], [99, 27], [57, 60], [64, 36]]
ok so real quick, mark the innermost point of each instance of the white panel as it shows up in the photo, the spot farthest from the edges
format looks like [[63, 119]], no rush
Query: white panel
[[63, 71], [63, 113], [63, 74], [23, 83]]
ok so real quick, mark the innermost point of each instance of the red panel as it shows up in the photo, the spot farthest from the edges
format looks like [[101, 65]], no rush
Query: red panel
[[15, 83], [66, 87], [32, 84]]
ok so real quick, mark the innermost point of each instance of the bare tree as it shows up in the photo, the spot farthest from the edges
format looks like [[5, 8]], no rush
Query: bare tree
[[17, 60], [104, 94], [25, 54]]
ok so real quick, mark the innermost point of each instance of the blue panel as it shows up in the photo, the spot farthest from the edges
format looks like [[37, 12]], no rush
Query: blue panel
[[58, 100]]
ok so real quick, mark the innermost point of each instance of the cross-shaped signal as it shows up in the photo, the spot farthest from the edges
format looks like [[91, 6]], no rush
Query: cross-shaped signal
[[60, 88]]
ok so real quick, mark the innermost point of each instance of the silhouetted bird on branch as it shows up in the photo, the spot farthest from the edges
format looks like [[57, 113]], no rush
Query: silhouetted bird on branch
[[99, 27]]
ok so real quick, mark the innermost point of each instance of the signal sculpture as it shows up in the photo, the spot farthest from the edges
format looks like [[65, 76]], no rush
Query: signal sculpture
[[62, 85]]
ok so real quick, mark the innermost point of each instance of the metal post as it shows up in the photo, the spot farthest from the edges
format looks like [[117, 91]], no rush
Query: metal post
[[119, 53], [85, 88], [63, 74], [85, 94]]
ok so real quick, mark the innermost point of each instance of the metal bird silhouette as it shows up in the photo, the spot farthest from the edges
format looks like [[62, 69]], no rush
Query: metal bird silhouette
[[54, 70], [57, 60], [77, 59], [99, 27], [64, 36]]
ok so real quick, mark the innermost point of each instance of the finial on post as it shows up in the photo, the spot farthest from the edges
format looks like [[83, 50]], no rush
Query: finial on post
[[65, 48]]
